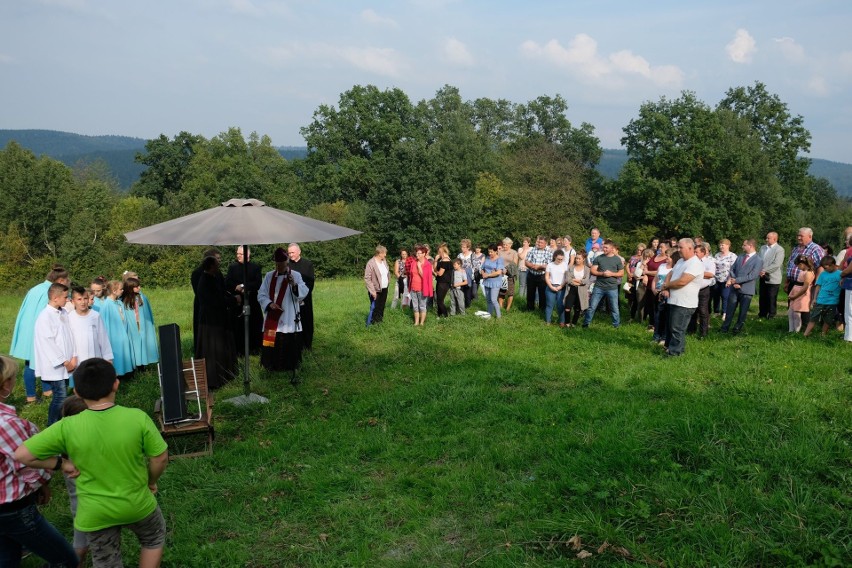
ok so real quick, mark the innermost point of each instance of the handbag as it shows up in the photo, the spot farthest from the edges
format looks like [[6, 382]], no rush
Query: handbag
[[504, 282]]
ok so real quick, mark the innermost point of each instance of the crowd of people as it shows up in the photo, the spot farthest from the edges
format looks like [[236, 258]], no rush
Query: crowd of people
[[673, 285], [85, 338], [91, 336]]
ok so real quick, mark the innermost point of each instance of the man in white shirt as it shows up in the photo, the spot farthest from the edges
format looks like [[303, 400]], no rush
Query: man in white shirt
[[681, 287], [700, 321], [55, 353]]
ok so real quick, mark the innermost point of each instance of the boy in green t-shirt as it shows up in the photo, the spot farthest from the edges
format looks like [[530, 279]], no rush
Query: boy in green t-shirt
[[117, 455]]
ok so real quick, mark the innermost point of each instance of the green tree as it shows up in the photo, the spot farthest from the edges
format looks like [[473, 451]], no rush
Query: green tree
[[167, 161], [783, 137], [344, 141], [34, 192], [694, 170]]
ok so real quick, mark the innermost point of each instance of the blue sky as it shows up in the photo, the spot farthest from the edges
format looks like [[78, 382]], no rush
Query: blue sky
[[159, 67]]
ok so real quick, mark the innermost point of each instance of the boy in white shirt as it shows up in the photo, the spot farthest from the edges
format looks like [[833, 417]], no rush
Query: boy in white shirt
[[55, 353], [87, 329]]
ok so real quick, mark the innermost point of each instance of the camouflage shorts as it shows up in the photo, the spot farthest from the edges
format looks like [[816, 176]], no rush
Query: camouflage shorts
[[105, 544]]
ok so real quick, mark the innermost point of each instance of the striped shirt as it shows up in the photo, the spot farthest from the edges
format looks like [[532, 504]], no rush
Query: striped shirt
[[16, 480]]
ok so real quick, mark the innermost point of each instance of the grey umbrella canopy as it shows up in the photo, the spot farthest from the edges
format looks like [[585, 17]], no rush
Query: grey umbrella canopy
[[239, 222]]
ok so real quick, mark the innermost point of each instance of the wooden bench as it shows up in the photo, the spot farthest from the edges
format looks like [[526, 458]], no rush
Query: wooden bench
[[199, 406]]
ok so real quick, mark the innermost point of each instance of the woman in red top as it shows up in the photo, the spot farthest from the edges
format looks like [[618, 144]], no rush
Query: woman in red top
[[419, 271]]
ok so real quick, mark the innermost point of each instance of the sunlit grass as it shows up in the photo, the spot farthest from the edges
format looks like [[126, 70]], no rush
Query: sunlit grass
[[493, 443]]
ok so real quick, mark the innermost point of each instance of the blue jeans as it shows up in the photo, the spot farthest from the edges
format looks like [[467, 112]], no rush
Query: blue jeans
[[552, 298], [612, 300], [678, 321], [60, 391], [491, 295], [719, 298], [522, 283], [26, 527]]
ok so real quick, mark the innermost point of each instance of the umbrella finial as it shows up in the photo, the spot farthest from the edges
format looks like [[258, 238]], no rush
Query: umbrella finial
[[243, 203]]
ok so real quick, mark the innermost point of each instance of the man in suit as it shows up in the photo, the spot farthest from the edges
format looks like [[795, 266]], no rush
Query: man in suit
[[306, 269], [742, 278], [772, 255]]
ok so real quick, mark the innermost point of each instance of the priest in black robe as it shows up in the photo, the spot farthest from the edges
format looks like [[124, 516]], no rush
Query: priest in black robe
[[236, 282], [194, 278], [306, 268]]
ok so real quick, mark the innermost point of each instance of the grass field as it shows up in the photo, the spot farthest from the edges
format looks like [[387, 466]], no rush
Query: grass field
[[471, 442]]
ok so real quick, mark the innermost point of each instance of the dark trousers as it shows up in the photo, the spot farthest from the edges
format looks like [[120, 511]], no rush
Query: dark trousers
[[719, 297], [768, 300], [535, 287], [379, 309], [736, 298], [572, 303], [678, 321], [700, 320], [441, 289], [650, 304]]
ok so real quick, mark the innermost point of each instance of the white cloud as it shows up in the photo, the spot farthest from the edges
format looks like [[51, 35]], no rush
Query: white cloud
[[245, 7], [379, 60], [5, 58], [742, 47], [817, 85], [457, 52], [369, 16], [792, 51], [582, 57], [382, 61]]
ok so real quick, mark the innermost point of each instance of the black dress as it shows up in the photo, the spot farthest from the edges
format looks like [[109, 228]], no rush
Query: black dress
[[306, 268], [215, 338]]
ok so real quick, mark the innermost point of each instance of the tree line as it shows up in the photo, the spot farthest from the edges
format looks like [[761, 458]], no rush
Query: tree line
[[436, 170]]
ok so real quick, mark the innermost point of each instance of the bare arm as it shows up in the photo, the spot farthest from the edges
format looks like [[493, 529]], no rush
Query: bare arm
[[156, 467]]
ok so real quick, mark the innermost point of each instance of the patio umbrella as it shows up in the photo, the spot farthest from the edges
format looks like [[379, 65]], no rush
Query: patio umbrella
[[239, 222]]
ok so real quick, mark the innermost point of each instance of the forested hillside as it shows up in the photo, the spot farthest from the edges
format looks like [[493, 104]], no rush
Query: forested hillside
[[434, 170]]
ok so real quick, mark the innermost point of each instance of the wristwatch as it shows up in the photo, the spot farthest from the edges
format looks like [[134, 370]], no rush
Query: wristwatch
[[58, 465]]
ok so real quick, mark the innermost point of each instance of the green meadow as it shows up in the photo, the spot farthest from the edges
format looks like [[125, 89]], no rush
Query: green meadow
[[472, 442]]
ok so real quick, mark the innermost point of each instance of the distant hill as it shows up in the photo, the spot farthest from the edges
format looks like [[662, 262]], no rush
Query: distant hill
[[119, 151], [837, 173]]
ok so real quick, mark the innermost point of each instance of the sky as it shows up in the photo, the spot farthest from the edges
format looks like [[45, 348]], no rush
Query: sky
[[156, 67]]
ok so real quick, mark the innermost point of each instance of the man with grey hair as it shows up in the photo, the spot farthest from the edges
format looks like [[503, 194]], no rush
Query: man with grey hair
[[306, 307], [772, 255], [681, 288], [805, 246]]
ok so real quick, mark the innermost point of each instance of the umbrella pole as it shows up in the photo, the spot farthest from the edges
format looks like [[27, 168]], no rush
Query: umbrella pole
[[247, 397], [246, 318]]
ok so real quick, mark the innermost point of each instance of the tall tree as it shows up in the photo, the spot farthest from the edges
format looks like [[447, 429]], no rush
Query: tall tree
[[167, 161], [692, 170], [34, 191], [783, 137]]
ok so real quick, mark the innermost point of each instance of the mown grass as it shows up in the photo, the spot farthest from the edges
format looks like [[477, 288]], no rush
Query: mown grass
[[495, 443]]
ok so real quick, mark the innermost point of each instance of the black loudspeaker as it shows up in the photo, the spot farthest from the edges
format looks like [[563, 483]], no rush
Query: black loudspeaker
[[172, 383]]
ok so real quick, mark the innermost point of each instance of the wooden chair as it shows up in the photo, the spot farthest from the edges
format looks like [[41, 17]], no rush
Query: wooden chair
[[199, 406]]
